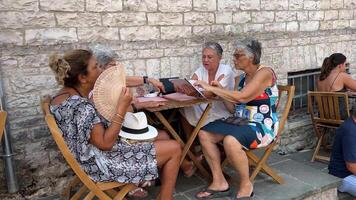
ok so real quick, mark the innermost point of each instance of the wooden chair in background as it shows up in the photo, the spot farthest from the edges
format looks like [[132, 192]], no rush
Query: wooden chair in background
[[3, 116], [103, 191], [325, 112], [259, 163]]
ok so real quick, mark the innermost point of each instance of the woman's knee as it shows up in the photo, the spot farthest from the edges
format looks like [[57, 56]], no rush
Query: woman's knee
[[230, 142], [162, 135], [204, 136], [175, 148]]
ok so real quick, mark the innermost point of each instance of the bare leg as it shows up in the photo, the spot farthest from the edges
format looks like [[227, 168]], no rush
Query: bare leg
[[168, 157], [212, 154], [237, 157]]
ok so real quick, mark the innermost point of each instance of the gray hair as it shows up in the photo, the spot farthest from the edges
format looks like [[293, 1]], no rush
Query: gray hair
[[252, 49], [103, 54], [215, 46]]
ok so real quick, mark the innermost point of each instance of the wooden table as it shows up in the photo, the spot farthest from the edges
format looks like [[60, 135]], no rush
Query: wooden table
[[171, 104]]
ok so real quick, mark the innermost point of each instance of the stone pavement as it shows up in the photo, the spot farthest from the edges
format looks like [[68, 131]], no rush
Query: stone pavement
[[303, 180]]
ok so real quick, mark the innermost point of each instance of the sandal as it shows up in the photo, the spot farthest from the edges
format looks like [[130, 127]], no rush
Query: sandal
[[214, 193], [243, 198], [147, 183], [137, 193]]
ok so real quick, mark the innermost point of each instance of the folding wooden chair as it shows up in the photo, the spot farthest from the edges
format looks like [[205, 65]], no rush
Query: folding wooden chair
[[260, 162], [3, 116], [103, 191], [325, 112]]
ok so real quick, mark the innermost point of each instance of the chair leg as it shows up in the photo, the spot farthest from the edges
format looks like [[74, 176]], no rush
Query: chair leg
[[122, 193], [317, 148], [89, 196], [80, 192], [67, 190]]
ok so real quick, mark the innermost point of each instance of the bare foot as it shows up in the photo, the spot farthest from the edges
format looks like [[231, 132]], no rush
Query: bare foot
[[245, 190]]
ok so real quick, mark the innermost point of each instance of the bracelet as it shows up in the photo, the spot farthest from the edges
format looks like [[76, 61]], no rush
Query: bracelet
[[145, 79], [134, 108], [120, 116], [116, 122]]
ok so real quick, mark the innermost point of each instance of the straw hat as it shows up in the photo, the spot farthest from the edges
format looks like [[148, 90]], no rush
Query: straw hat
[[135, 127], [107, 90]]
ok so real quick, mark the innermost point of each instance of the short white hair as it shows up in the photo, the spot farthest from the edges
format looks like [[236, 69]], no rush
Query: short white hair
[[103, 54]]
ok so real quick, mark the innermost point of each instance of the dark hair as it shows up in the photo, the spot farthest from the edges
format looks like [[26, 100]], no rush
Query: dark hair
[[215, 46], [252, 48], [330, 63], [70, 66]]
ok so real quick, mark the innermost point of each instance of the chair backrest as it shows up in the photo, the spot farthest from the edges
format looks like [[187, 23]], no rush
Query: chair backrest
[[3, 116], [289, 90], [72, 162], [328, 107]]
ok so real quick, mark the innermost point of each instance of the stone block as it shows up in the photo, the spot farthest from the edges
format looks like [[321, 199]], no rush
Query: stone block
[[139, 33], [292, 26], [223, 17], [326, 25], [296, 4], [241, 17], [349, 4], [198, 18], [65, 5], [250, 5], [285, 16], [150, 53], [204, 5], [253, 28], [153, 68], [175, 5], [174, 43], [228, 5], [352, 24], [341, 24], [325, 4], [201, 30], [50, 36], [233, 29], [95, 34], [140, 5], [138, 45], [336, 4], [302, 15], [311, 5], [179, 52], [124, 19], [127, 54], [173, 32], [26, 19], [316, 15], [262, 16], [275, 27], [78, 19], [274, 4], [346, 14], [331, 14], [218, 29], [309, 25], [104, 5], [11, 37], [165, 18], [19, 5]]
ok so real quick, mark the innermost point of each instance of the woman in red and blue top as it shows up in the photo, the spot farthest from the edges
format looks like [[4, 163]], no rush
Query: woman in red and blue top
[[254, 122]]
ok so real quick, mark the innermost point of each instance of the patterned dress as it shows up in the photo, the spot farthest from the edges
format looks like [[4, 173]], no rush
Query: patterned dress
[[262, 125], [125, 163]]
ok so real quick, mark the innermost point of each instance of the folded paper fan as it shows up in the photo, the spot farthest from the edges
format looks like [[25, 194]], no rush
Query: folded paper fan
[[107, 90]]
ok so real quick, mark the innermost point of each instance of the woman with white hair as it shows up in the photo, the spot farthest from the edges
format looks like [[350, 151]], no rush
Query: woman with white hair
[[253, 125]]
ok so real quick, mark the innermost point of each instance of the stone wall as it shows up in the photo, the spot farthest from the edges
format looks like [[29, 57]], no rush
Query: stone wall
[[160, 38]]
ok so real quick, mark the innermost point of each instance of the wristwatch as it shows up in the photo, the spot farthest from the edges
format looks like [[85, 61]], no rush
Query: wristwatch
[[145, 79]]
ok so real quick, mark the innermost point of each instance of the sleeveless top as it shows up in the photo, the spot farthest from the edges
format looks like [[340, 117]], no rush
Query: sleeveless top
[[261, 111]]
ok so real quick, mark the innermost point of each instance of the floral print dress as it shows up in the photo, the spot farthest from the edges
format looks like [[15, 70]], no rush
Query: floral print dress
[[125, 163]]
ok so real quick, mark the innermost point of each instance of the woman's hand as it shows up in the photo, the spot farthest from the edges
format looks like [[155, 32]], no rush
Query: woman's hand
[[124, 100], [216, 83], [203, 85], [157, 84], [150, 104]]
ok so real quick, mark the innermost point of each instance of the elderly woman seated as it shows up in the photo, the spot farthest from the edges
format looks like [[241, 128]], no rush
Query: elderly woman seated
[[94, 141], [211, 70], [253, 125]]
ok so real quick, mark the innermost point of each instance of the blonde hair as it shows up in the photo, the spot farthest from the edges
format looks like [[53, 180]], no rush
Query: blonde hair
[[60, 67], [67, 68]]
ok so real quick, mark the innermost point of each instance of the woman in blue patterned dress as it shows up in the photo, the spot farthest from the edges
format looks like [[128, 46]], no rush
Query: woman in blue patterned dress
[[94, 141], [254, 122]]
